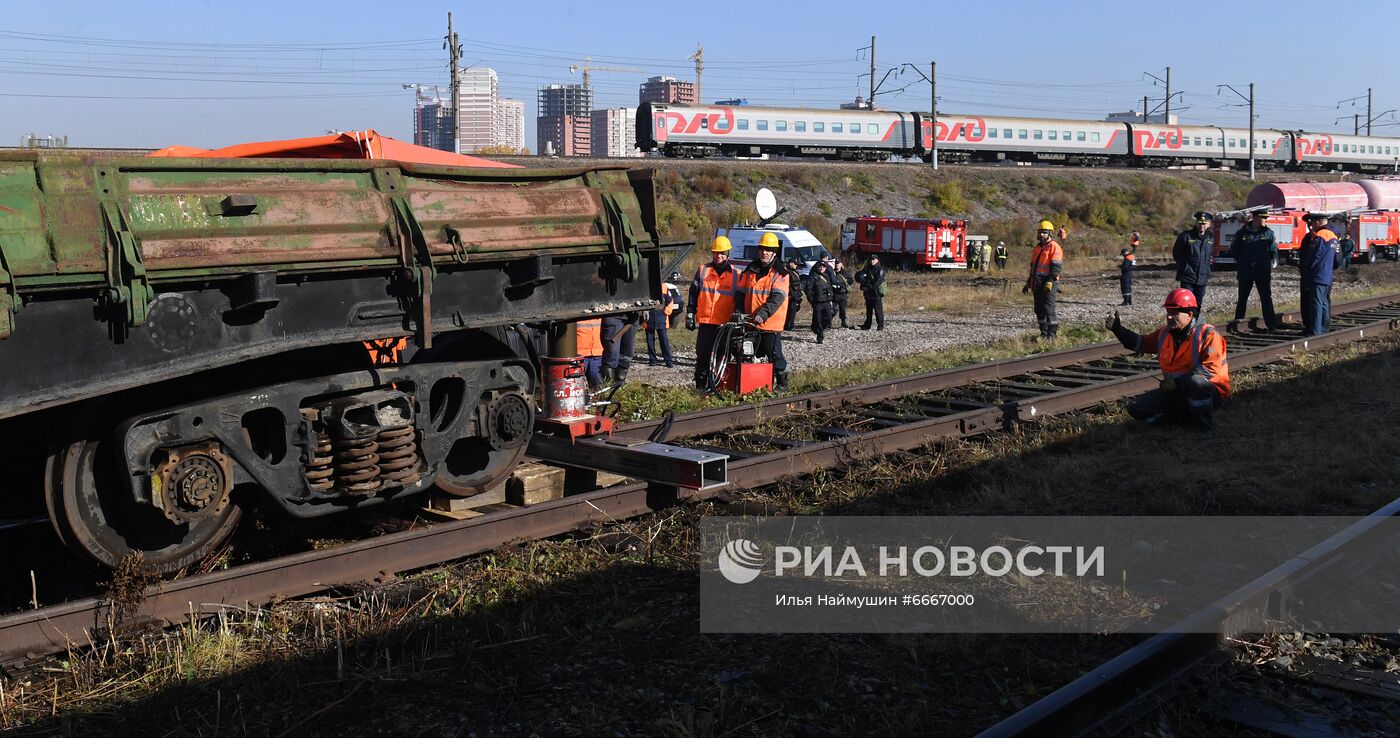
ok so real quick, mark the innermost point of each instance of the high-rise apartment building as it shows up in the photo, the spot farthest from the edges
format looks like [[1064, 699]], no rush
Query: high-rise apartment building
[[510, 123], [564, 121], [614, 132], [667, 90], [476, 108], [432, 124]]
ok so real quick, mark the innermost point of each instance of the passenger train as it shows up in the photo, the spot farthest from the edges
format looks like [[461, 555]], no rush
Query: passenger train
[[676, 129]]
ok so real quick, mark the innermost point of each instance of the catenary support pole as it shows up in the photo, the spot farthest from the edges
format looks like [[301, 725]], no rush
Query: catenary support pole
[[933, 112]]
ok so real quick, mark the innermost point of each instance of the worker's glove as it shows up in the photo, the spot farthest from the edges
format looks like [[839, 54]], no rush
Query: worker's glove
[[1113, 323], [1025, 289], [1168, 385], [1049, 286], [690, 321]]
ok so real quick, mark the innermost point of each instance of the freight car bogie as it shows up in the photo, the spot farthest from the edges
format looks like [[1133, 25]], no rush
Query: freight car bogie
[[169, 483]]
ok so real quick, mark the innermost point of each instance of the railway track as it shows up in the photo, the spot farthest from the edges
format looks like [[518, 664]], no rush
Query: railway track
[[831, 429], [1108, 698]]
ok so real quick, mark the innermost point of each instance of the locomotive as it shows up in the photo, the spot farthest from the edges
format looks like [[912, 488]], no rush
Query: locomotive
[[678, 129], [191, 336]]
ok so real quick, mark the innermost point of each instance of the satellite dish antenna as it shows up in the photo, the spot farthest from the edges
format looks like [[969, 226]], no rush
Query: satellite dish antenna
[[765, 203]]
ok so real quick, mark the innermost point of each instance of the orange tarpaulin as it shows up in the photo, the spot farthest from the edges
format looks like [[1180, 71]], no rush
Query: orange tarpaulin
[[348, 145]]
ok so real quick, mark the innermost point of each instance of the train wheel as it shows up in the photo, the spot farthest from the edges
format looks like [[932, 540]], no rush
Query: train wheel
[[473, 467], [94, 514]]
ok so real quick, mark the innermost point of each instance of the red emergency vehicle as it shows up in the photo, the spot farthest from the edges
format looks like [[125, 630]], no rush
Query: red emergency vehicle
[[1287, 225], [907, 243], [1376, 233]]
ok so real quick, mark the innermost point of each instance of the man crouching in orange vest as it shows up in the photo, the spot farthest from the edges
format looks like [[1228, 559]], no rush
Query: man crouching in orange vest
[[764, 286], [1195, 371]]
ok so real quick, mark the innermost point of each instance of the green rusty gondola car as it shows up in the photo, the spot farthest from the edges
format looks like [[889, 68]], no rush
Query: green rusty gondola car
[[190, 335]]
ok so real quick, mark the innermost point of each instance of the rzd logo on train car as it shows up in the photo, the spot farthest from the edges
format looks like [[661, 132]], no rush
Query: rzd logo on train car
[[1172, 138], [972, 130], [679, 124], [1315, 146]]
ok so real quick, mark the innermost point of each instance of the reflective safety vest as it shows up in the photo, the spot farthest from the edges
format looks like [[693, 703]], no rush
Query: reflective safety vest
[[1046, 261], [668, 289], [1201, 352], [760, 291], [714, 303], [590, 337]]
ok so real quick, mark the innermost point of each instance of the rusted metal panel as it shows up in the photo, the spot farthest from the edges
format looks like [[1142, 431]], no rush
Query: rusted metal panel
[[293, 214]]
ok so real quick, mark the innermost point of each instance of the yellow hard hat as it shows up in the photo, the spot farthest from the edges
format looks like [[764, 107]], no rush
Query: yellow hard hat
[[769, 241], [720, 245], [1046, 225]]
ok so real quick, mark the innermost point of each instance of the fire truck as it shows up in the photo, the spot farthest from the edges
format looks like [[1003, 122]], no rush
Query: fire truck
[[907, 243], [1376, 233], [1287, 225]]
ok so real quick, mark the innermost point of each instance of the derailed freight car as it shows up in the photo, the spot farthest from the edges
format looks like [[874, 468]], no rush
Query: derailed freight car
[[187, 334]]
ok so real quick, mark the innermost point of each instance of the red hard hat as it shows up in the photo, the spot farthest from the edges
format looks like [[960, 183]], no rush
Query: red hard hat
[[1181, 298]]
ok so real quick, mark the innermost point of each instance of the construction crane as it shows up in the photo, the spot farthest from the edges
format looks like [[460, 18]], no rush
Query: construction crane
[[418, 92], [587, 67], [699, 58]]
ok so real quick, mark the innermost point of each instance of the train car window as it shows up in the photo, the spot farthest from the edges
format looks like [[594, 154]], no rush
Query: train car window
[[1094, 136], [991, 133], [704, 122], [743, 124], [1210, 142], [835, 127], [1066, 135], [855, 128], [1080, 137], [1037, 134], [762, 125], [1006, 133], [1054, 135], [800, 126], [1231, 144], [818, 127], [1197, 141], [1370, 149], [781, 125], [1021, 133]]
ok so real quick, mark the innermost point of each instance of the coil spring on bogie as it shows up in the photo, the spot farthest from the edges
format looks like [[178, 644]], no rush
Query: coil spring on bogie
[[398, 455], [356, 464], [319, 468]]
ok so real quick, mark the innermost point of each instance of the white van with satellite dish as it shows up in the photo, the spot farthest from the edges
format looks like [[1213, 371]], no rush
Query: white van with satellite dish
[[796, 242]]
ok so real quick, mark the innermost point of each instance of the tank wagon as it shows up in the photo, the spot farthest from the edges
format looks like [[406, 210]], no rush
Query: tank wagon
[[189, 336]]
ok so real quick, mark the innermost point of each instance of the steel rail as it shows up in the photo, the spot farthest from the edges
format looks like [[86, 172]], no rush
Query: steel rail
[[1110, 696], [30, 634]]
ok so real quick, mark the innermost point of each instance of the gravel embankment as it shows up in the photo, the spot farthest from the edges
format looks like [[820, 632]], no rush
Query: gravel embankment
[[1086, 299]]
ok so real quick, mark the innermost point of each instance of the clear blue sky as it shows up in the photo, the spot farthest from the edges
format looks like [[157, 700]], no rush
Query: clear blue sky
[[207, 73]]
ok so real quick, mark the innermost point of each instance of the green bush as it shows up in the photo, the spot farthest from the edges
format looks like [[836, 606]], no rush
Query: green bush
[[945, 198], [825, 208]]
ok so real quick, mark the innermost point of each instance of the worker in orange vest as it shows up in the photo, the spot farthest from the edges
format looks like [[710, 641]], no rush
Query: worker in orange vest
[[1195, 369], [1047, 259], [711, 304], [1064, 233], [764, 287], [589, 334]]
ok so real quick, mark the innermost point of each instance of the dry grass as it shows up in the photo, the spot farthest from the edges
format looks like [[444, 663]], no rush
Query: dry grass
[[596, 632]]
